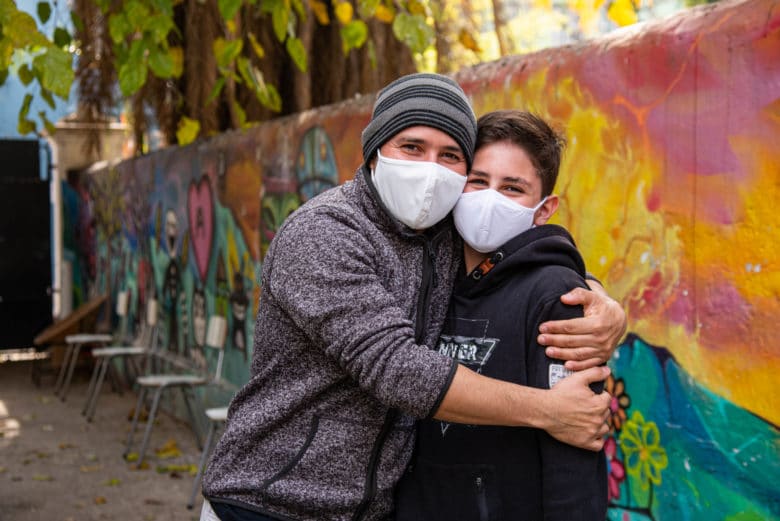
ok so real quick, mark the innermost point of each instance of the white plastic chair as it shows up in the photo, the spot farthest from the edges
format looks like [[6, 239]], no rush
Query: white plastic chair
[[217, 417], [215, 339], [145, 345]]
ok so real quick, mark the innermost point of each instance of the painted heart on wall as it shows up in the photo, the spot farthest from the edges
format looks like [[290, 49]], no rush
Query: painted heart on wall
[[200, 210]]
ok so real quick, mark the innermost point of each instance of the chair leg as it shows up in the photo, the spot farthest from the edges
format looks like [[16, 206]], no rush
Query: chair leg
[[73, 362], [92, 381], [202, 463], [63, 368], [193, 420], [150, 424], [92, 404], [138, 407]]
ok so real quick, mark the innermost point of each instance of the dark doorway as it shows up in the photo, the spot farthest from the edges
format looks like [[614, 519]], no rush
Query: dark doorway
[[25, 243]]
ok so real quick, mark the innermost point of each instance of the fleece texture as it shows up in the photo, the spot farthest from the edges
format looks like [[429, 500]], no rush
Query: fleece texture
[[350, 301]]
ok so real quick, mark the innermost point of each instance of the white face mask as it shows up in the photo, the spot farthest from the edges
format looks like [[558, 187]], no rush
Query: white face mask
[[486, 219], [417, 193]]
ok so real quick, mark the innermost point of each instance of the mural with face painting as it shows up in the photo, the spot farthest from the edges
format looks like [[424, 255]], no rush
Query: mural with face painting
[[315, 168], [239, 303]]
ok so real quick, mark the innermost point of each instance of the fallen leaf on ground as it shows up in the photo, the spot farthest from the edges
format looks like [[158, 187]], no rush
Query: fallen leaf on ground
[[91, 457], [100, 500], [28, 417], [42, 455], [16, 478], [113, 482], [42, 477], [142, 466], [90, 468], [169, 450], [2, 469], [64, 446], [47, 428], [131, 456], [44, 399]]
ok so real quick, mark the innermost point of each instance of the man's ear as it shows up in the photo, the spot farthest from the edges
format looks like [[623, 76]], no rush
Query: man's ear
[[546, 211]]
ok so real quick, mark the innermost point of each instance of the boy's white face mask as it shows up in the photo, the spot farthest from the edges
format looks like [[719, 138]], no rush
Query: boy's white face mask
[[417, 193], [486, 219]]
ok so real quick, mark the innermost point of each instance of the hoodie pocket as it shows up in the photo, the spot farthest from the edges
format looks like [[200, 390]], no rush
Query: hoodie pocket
[[327, 473]]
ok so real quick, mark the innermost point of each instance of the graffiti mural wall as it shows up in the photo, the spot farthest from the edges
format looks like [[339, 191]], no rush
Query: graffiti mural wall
[[670, 184]]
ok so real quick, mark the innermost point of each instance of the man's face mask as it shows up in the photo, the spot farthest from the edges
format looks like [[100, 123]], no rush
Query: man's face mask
[[417, 193]]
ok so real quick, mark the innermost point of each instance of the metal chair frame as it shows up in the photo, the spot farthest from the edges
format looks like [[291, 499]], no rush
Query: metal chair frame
[[215, 339]]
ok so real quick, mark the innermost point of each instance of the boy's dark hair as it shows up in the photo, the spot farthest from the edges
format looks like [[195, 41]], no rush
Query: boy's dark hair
[[543, 145]]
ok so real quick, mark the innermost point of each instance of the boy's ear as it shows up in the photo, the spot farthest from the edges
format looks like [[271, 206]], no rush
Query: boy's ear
[[546, 211]]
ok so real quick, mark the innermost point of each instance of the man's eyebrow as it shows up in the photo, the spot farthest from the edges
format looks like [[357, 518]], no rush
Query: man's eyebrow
[[419, 141], [478, 173]]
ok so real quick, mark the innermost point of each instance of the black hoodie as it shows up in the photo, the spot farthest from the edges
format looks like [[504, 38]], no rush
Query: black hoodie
[[466, 472]]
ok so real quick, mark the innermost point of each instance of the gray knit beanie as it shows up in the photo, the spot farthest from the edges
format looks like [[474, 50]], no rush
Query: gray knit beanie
[[425, 99]]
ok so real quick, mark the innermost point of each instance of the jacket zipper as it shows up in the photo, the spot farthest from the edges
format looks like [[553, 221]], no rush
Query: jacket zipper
[[428, 280], [481, 499], [370, 488]]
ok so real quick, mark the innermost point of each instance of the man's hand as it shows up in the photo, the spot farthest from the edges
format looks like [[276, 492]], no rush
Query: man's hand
[[588, 341], [577, 415]]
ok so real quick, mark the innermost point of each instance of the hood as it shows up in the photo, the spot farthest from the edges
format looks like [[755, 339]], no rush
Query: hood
[[538, 247]]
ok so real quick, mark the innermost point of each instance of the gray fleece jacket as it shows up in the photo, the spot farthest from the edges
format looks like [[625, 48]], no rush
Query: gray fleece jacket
[[351, 300]]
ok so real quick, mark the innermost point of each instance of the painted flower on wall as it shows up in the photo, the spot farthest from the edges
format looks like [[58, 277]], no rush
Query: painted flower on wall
[[616, 472], [621, 401], [645, 458]]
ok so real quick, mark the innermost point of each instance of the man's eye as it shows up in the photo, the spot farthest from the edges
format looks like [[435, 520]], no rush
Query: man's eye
[[452, 157]]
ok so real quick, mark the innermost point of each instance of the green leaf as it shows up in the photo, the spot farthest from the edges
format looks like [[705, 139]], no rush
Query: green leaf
[[24, 125], [298, 7], [48, 125], [297, 52], [26, 74], [353, 35], [161, 63], [216, 90], [269, 97], [22, 30], [280, 16], [48, 98], [240, 113], [44, 12], [226, 51], [25, 108], [413, 31], [62, 37], [77, 22], [118, 27], [137, 14], [245, 70], [54, 69], [3, 76], [159, 26], [228, 8], [366, 8], [187, 130], [137, 51], [132, 76]]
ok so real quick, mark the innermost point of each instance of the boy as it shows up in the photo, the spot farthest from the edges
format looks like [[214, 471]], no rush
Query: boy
[[516, 266]]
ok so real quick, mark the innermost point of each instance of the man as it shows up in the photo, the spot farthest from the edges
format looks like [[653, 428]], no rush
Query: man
[[355, 287], [514, 263]]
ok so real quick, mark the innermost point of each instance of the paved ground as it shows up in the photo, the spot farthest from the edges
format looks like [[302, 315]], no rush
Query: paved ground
[[55, 466]]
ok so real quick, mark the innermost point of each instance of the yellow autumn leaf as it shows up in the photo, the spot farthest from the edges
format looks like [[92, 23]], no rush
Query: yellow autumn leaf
[[320, 11], [622, 12], [415, 7], [384, 14], [259, 51], [177, 55], [467, 40], [344, 12], [231, 26]]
